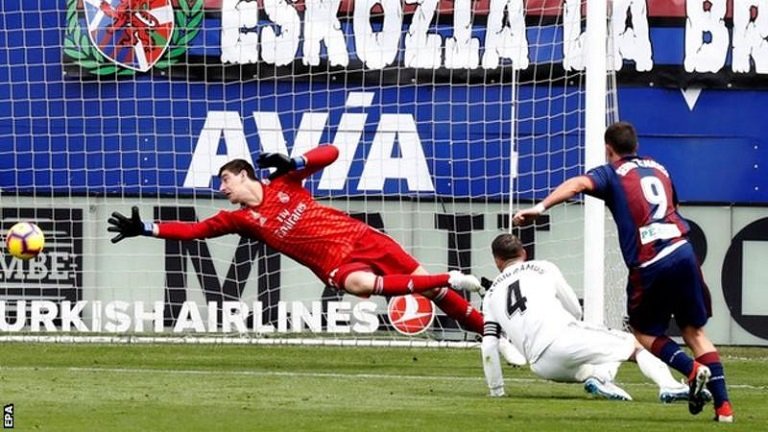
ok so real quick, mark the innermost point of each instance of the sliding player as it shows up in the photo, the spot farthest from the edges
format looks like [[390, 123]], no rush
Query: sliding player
[[534, 306], [340, 250]]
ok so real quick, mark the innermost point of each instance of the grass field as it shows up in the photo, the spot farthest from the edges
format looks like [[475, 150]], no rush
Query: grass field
[[59, 387]]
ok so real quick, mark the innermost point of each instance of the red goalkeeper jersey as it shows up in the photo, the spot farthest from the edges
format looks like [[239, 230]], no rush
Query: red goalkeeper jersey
[[288, 219]]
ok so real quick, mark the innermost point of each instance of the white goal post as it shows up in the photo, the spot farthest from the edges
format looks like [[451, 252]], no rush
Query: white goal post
[[448, 119]]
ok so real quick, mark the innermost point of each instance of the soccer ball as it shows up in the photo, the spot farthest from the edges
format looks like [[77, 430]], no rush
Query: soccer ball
[[24, 240]]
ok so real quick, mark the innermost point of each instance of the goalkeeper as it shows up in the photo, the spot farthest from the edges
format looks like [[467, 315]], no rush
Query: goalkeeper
[[534, 306], [341, 251]]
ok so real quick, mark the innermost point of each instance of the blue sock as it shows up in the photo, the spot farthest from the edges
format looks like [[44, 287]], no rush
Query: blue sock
[[670, 353], [716, 384]]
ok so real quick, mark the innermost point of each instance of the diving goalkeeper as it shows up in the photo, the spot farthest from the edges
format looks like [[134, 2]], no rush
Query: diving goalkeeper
[[341, 251]]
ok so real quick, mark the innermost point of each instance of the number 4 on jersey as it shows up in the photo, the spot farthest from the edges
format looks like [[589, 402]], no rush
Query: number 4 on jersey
[[515, 300]]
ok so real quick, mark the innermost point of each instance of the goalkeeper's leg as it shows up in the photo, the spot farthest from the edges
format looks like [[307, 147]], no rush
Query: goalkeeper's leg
[[458, 308], [361, 279], [362, 282], [449, 301], [389, 270], [380, 266], [432, 287]]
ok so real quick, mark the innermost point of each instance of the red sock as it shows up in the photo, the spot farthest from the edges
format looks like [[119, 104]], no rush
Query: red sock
[[458, 308], [392, 285]]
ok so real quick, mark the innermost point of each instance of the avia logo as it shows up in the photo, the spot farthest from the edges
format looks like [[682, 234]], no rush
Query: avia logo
[[395, 151], [128, 36], [411, 314]]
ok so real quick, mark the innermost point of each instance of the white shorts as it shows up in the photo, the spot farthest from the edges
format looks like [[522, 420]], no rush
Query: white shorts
[[582, 351]]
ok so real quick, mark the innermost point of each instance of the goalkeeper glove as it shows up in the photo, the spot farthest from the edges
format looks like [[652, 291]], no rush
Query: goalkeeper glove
[[282, 163], [129, 227], [486, 284]]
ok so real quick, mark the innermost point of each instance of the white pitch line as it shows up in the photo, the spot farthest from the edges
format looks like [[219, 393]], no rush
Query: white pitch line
[[334, 375], [248, 373]]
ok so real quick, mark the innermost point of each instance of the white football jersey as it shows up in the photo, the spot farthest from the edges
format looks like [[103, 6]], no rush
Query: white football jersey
[[532, 303]]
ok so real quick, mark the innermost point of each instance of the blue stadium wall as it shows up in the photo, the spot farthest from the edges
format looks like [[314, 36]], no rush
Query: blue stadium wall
[[717, 151]]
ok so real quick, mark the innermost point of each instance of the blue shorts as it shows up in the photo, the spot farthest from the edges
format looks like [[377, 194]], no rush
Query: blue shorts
[[672, 286]]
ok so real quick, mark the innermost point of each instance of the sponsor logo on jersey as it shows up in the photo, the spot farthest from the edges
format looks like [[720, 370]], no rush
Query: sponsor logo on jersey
[[283, 197], [289, 219], [411, 314]]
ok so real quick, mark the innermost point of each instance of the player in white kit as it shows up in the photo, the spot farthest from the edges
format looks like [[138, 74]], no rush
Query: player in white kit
[[532, 304]]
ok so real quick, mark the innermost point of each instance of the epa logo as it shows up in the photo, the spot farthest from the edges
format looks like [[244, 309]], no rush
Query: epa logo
[[8, 416], [411, 314]]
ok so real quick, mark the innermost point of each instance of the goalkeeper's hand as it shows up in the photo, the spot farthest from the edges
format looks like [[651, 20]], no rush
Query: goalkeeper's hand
[[282, 163], [486, 284], [129, 227]]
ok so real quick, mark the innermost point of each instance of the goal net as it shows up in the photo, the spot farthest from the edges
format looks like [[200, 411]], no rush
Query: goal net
[[448, 117]]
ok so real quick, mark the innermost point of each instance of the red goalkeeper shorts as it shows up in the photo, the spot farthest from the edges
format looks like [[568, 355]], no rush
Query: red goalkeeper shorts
[[375, 252]]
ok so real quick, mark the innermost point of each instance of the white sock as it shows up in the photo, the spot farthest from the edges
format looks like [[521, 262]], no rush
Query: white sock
[[606, 371], [656, 370]]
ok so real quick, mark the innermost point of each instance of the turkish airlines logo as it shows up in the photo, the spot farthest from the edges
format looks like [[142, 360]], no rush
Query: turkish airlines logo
[[411, 314]]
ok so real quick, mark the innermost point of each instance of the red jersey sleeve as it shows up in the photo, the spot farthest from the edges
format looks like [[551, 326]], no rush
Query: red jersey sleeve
[[221, 223], [316, 159]]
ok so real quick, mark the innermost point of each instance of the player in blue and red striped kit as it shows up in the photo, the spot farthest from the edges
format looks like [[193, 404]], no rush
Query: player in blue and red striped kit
[[340, 250], [665, 277]]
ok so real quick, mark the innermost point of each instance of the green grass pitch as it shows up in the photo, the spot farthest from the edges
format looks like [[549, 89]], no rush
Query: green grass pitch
[[137, 387]]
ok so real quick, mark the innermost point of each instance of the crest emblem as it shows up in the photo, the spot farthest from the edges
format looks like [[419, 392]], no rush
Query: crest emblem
[[131, 33], [123, 37], [283, 197]]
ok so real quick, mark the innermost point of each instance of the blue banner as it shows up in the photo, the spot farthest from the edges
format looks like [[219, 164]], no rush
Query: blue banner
[[140, 137], [138, 133]]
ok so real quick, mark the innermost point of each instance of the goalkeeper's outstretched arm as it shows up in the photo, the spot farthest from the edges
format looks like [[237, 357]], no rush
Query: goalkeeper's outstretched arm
[[299, 167], [125, 227], [129, 227]]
